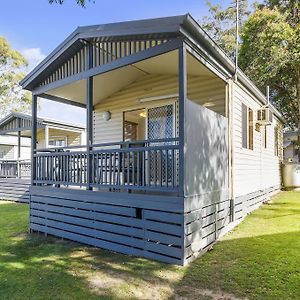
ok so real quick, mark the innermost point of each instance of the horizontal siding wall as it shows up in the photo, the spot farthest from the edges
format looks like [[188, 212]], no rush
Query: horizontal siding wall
[[111, 221], [73, 138], [256, 169], [13, 189], [8, 152], [201, 90]]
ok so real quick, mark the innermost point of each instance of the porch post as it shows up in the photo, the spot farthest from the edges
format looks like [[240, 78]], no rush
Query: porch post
[[182, 84], [46, 136], [33, 138], [19, 149], [89, 117], [19, 153]]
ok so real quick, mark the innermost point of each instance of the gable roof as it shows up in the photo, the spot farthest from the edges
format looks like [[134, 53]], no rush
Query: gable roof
[[167, 27], [16, 121]]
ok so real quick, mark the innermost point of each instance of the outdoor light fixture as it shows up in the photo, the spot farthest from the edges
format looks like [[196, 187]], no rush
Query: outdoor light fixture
[[209, 104], [106, 116], [142, 114]]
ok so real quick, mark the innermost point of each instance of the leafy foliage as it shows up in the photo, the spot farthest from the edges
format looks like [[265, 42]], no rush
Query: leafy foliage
[[220, 25], [269, 47], [270, 55], [12, 97]]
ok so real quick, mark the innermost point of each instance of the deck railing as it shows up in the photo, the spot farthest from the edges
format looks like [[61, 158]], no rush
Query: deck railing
[[15, 168], [141, 165]]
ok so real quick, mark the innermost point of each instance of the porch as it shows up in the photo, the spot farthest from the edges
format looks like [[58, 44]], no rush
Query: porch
[[152, 177]]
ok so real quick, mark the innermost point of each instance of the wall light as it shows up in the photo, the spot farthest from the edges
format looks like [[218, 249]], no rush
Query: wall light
[[106, 116], [209, 104]]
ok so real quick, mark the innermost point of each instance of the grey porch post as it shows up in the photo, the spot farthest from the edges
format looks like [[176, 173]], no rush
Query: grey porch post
[[182, 84], [33, 138], [89, 117], [19, 149], [46, 136]]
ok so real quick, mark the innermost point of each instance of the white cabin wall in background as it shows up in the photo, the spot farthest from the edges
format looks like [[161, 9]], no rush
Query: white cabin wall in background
[[7, 152], [201, 90], [258, 168], [72, 138]]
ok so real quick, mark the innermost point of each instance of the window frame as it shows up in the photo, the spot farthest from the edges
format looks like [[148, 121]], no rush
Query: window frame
[[57, 138], [247, 127]]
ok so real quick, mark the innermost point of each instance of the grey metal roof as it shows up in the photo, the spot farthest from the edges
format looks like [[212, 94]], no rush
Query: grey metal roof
[[183, 25], [41, 123]]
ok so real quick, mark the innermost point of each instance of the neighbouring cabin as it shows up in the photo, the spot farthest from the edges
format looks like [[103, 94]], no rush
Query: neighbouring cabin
[[15, 144], [291, 147], [175, 153]]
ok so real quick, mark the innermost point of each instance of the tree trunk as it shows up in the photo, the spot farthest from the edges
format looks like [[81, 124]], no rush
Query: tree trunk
[[298, 100]]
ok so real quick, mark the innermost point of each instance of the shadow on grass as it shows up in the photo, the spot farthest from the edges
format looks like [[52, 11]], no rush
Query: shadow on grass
[[263, 267], [38, 267]]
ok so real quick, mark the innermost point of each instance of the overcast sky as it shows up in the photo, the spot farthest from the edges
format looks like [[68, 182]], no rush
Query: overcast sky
[[35, 28]]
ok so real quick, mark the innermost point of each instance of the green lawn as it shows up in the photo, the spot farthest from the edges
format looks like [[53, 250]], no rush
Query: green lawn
[[260, 259]]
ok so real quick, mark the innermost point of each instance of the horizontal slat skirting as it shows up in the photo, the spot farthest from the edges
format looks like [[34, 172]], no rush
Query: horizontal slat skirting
[[103, 226], [154, 202], [117, 224], [114, 209], [80, 229], [87, 240], [14, 189]]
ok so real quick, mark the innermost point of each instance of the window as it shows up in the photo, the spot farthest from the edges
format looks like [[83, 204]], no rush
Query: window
[[57, 142], [247, 127], [1, 154], [264, 137], [276, 141]]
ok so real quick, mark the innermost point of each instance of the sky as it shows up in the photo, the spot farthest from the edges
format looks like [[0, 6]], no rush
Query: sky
[[35, 28]]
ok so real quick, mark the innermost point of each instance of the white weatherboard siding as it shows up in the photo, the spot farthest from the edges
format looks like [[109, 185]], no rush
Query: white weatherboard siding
[[7, 151], [73, 138], [200, 89], [259, 168]]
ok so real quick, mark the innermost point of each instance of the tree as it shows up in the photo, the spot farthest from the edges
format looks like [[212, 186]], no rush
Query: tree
[[12, 97], [220, 24], [270, 55], [79, 2]]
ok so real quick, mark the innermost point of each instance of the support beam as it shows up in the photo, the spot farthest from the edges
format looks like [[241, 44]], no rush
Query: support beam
[[182, 84], [89, 118], [62, 100], [33, 138], [19, 139], [19, 152], [46, 136]]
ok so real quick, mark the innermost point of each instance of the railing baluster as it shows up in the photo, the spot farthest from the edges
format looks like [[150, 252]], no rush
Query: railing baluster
[[128, 167], [166, 168], [160, 167], [173, 167], [133, 167], [138, 168], [154, 168]]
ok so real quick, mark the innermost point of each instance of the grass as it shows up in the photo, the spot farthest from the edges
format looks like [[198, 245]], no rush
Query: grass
[[258, 260]]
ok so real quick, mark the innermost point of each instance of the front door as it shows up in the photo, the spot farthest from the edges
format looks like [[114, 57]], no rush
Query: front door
[[161, 122]]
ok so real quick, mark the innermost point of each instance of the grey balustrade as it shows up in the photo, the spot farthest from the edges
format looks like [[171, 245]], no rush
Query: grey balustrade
[[141, 165], [15, 168]]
